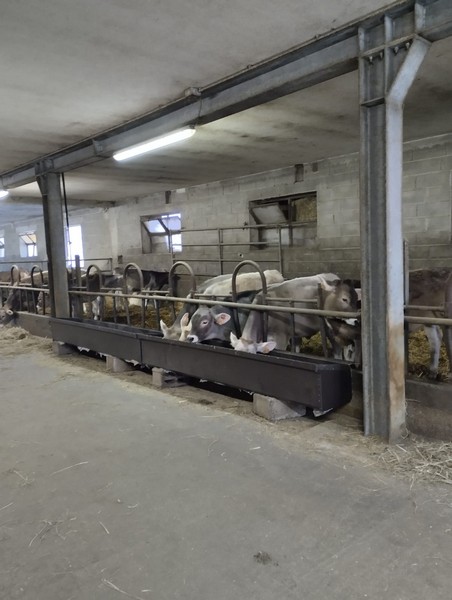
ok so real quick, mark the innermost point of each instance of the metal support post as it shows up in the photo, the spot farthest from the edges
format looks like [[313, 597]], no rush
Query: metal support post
[[387, 70], [55, 242]]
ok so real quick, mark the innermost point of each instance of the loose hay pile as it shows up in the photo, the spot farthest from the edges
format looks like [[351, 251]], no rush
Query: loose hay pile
[[416, 460], [135, 312], [419, 354], [15, 339]]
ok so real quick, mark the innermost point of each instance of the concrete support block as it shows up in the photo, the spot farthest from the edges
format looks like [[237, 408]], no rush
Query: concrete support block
[[276, 410], [61, 349], [163, 379], [117, 365]]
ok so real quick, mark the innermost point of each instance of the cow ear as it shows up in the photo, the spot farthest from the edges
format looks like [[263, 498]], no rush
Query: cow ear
[[329, 286], [163, 327], [185, 319], [234, 339], [266, 347], [222, 318]]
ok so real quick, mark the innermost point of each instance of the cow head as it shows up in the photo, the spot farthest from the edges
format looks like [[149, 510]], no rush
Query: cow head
[[338, 296], [170, 333], [243, 345], [203, 325], [6, 315]]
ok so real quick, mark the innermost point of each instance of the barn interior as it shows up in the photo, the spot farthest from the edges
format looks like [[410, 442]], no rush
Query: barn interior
[[323, 140], [277, 171]]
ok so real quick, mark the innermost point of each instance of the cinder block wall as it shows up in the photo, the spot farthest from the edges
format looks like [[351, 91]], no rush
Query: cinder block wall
[[334, 246], [427, 194], [11, 232]]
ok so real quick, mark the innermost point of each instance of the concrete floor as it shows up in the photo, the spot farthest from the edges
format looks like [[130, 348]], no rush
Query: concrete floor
[[112, 489]]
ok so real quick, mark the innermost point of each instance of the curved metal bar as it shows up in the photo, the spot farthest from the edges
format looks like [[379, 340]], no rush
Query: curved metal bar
[[92, 267], [237, 268], [88, 273], [130, 267], [14, 269], [35, 268], [127, 268], [171, 290], [181, 263]]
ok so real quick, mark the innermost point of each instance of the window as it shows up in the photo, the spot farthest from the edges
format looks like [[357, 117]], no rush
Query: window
[[292, 216], [162, 232], [28, 247], [74, 245], [2, 247]]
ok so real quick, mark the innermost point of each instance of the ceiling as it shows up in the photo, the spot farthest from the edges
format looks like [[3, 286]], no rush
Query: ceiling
[[75, 69]]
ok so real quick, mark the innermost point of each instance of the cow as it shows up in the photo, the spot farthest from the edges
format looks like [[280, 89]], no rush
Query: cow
[[130, 284], [215, 322], [5, 276], [339, 296], [220, 286], [344, 333], [427, 287], [432, 287], [152, 280], [20, 299]]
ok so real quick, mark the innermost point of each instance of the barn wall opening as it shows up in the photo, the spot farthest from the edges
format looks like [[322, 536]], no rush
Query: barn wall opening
[[74, 245], [28, 247], [161, 233], [287, 219]]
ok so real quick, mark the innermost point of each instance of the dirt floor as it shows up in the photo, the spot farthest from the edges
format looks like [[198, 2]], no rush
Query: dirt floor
[[110, 488]]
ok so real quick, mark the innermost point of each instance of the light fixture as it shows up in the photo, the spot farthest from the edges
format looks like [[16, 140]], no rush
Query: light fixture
[[3, 193], [159, 142]]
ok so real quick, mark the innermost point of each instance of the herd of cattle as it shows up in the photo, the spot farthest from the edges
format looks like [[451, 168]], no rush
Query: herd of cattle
[[249, 330]]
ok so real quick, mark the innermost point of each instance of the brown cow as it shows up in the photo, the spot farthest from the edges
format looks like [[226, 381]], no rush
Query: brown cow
[[432, 287]]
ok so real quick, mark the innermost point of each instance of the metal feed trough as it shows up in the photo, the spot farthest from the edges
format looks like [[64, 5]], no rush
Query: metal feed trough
[[313, 382], [318, 383]]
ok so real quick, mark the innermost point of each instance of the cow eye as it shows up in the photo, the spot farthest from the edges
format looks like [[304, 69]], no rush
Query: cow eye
[[345, 300], [204, 323]]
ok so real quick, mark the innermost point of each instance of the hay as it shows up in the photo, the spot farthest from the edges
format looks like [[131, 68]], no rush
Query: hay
[[135, 312], [15, 339], [418, 357], [415, 459]]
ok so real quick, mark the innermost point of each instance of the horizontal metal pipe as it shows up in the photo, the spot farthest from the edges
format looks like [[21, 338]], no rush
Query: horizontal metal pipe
[[429, 321]]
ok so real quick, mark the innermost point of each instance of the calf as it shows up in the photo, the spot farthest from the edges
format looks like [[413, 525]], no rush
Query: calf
[[219, 286], [344, 334], [339, 296], [216, 322], [5, 276]]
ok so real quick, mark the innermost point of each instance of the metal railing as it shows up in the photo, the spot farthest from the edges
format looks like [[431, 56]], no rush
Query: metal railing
[[34, 298], [218, 256]]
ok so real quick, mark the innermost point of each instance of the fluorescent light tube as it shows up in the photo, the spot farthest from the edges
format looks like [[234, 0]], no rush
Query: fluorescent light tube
[[172, 138], [3, 193]]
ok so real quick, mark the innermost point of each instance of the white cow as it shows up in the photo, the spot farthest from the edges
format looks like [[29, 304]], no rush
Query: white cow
[[338, 296], [220, 286]]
